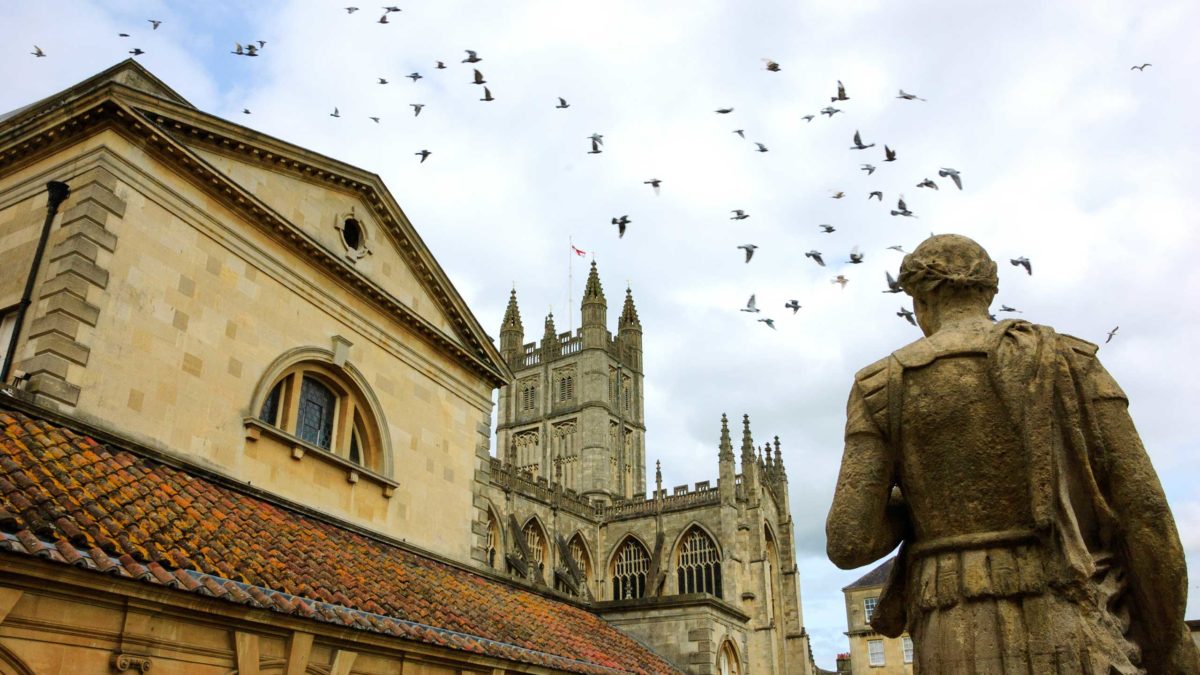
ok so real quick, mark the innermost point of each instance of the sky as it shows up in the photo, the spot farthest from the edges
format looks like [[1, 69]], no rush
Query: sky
[[1067, 157]]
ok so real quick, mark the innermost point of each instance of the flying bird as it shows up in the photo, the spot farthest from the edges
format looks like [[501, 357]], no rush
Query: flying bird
[[261, 43], [889, 154], [856, 256], [1006, 308], [897, 247], [389, 10], [909, 97], [654, 183], [831, 111], [598, 139], [902, 209], [122, 34], [893, 285], [1141, 67], [335, 113], [136, 51], [869, 168], [761, 147], [350, 10], [927, 184], [414, 76], [440, 66], [621, 223], [1023, 262], [245, 111], [383, 19], [1112, 332], [595, 142], [837, 194], [251, 50], [739, 214], [424, 155], [815, 255], [875, 193], [841, 280], [809, 118], [416, 108], [827, 229], [383, 80], [772, 66], [155, 23], [479, 77], [562, 104], [793, 305], [749, 248], [858, 144], [952, 174], [907, 314], [373, 119], [237, 49], [841, 95], [487, 95], [471, 57], [724, 111], [769, 321], [740, 132], [751, 305]]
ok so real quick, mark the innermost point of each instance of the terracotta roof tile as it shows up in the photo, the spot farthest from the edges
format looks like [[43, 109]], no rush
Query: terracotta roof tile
[[67, 498]]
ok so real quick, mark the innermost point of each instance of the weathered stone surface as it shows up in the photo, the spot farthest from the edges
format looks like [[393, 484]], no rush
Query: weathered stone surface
[[1036, 536]]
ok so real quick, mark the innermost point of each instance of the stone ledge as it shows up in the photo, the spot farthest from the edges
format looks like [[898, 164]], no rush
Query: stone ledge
[[92, 232], [70, 350], [44, 384], [73, 306], [100, 195], [83, 268], [302, 449]]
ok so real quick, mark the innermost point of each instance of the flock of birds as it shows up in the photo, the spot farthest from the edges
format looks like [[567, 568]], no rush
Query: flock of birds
[[252, 48]]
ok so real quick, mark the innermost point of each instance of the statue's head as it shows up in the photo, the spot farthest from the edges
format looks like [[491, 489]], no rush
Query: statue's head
[[945, 270]]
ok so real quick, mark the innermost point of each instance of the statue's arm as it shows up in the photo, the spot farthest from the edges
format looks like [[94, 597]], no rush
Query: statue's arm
[[866, 521], [1153, 553]]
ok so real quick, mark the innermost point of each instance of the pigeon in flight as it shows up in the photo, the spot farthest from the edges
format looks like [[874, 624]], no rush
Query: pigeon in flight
[[261, 43], [562, 104], [597, 139], [749, 248], [739, 214], [471, 57], [724, 111], [830, 110], [155, 23], [374, 119], [621, 223], [889, 154], [335, 113], [902, 209], [350, 10], [740, 132], [858, 144], [772, 66], [416, 108], [815, 255], [793, 305], [952, 174], [837, 194], [136, 51], [909, 97], [1023, 262], [245, 111], [841, 95], [487, 95], [761, 147], [595, 142], [1006, 308], [927, 184], [840, 279], [122, 34], [414, 76], [1111, 333], [654, 183], [869, 168], [440, 66], [769, 321], [875, 193], [383, 19], [751, 305], [479, 78], [856, 256], [827, 229], [907, 314], [389, 10], [893, 285], [1141, 67], [424, 155], [383, 80], [897, 248], [809, 118]]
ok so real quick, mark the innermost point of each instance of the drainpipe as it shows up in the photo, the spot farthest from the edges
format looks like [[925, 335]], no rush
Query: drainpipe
[[58, 192]]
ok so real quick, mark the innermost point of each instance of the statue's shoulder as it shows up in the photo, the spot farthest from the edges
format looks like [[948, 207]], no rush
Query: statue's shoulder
[[1079, 348]]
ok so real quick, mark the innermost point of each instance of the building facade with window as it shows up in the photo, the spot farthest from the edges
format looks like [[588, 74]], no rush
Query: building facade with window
[[870, 652], [705, 575], [244, 417]]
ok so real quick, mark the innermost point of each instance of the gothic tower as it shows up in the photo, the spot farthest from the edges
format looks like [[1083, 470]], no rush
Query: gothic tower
[[574, 411]]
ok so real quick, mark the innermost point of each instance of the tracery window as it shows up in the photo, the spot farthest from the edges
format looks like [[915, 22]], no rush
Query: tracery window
[[727, 661], [493, 539], [580, 555], [317, 404], [699, 566], [630, 571], [535, 539]]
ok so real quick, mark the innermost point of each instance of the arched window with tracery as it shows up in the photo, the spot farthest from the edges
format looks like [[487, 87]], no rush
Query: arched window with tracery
[[630, 570], [493, 545], [727, 660], [535, 539], [698, 565], [579, 554]]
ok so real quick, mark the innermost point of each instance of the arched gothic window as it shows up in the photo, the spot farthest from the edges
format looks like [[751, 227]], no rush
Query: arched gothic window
[[699, 564], [630, 570], [492, 546], [580, 555], [727, 660], [318, 404], [535, 539]]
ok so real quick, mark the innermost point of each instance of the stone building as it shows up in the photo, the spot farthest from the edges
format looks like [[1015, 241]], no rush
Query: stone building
[[705, 575], [245, 418], [870, 652]]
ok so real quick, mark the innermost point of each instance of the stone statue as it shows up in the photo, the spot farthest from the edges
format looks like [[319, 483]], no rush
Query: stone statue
[[1034, 534]]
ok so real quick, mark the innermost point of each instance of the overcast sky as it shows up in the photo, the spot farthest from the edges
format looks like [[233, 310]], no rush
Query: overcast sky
[[1067, 157]]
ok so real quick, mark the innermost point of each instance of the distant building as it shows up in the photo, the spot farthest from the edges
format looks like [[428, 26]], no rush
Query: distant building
[[871, 652], [1194, 626]]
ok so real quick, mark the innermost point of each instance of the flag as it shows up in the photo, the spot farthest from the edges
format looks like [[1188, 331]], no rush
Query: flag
[[577, 251]]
